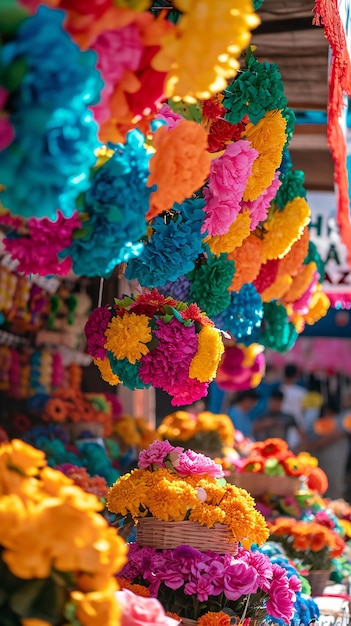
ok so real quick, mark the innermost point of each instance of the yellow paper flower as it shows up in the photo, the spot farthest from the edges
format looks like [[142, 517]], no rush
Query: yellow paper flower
[[202, 51], [276, 290], [319, 306], [106, 372], [268, 137], [284, 228], [291, 262], [237, 233], [97, 607], [210, 349], [300, 282], [127, 336]]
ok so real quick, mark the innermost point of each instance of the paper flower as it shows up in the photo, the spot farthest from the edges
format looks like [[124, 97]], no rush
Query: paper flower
[[278, 334], [179, 289], [114, 209], [127, 337], [54, 129], [203, 50], [95, 328], [210, 349], [229, 175], [284, 228], [242, 367], [313, 255], [267, 137], [267, 275], [243, 317], [180, 165], [247, 259], [259, 208], [210, 283], [290, 262], [238, 231], [254, 92], [172, 248], [291, 188]]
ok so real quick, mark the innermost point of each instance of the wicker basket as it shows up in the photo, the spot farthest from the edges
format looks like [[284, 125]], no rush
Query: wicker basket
[[163, 535], [188, 622], [259, 484], [318, 580]]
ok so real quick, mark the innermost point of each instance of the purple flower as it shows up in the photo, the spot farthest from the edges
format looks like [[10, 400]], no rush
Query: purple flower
[[156, 454], [190, 463], [95, 332], [139, 560], [239, 580], [281, 596]]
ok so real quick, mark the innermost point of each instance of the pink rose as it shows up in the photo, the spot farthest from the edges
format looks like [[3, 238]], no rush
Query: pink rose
[[240, 579], [138, 611], [281, 595], [190, 463], [156, 454]]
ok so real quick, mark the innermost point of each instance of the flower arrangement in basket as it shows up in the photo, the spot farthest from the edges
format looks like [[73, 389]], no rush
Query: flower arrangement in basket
[[155, 340], [180, 497], [211, 588], [90, 412], [58, 556], [271, 467], [204, 431]]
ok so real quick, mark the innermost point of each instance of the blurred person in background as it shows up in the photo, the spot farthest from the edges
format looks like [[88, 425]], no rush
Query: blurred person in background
[[239, 411], [293, 402], [275, 422]]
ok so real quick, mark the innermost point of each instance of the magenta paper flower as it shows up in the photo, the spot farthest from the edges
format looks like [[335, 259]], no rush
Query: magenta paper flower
[[171, 118], [263, 566], [301, 305], [201, 586], [229, 174], [168, 364], [186, 390], [259, 208], [281, 595], [239, 580], [156, 454], [190, 463], [95, 332]]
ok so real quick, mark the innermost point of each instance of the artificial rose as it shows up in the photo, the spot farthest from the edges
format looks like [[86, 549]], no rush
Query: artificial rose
[[239, 580], [156, 453], [139, 611]]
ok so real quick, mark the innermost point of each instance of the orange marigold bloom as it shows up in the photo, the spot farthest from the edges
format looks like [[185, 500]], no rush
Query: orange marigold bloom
[[179, 166], [301, 282], [291, 262], [214, 619], [284, 228], [272, 447], [247, 259], [276, 290]]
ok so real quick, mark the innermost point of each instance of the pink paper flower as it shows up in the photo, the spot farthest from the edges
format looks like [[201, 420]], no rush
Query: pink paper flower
[[156, 453], [191, 463], [229, 174], [201, 587], [281, 595], [263, 566], [95, 332], [166, 114], [240, 579], [301, 305], [140, 611], [186, 390], [259, 208], [7, 132]]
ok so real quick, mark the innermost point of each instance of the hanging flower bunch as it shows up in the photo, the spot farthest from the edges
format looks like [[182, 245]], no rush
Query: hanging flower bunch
[[72, 405], [47, 85], [155, 340], [197, 584], [241, 367], [175, 485], [311, 543], [201, 431], [58, 555]]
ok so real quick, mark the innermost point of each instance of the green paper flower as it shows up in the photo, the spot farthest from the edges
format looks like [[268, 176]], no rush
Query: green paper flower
[[209, 288], [279, 334], [254, 92], [313, 255], [290, 117], [292, 187]]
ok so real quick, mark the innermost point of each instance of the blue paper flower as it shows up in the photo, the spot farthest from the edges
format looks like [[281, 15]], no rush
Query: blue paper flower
[[173, 247], [243, 317], [114, 210], [48, 163]]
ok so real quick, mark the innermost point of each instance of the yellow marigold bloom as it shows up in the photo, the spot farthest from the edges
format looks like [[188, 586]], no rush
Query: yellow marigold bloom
[[214, 491], [292, 261], [268, 137], [210, 349], [318, 308], [179, 425], [301, 282], [128, 493], [276, 290], [97, 607], [237, 233], [284, 228], [21, 456], [248, 260], [207, 515], [125, 427], [171, 501], [126, 336], [106, 372], [202, 51]]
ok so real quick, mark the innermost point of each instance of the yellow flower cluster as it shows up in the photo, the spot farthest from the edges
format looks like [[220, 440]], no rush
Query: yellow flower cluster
[[284, 228], [182, 426], [126, 336], [201, 52], [165, 495], [237, 233], [209, 352], [134, 431], [47, 523]]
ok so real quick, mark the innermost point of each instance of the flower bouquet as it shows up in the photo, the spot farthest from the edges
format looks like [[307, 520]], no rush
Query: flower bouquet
[[206, 432], [311, 545], [155, 340], [58, 556], [180, 497], [271, 467]]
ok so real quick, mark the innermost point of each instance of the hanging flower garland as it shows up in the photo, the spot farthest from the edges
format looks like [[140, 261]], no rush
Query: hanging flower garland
[[210, 282], [153, 340]]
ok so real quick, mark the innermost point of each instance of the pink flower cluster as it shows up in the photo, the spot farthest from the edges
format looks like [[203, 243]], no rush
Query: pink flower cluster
[[207, 575], [38, 252], [186, 463], [139, 611], [259, 208], [229, 174], [95, 328]]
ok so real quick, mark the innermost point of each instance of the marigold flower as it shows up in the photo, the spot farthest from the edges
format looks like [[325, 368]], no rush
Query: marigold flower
[[319, 306], [247, 259], [291, 262], [214, 619], [97, 606], [238, 231], [301, 282], [268, 137], [284, 228], [106, 372], [210, 349], [127, 336], [277, 289]]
